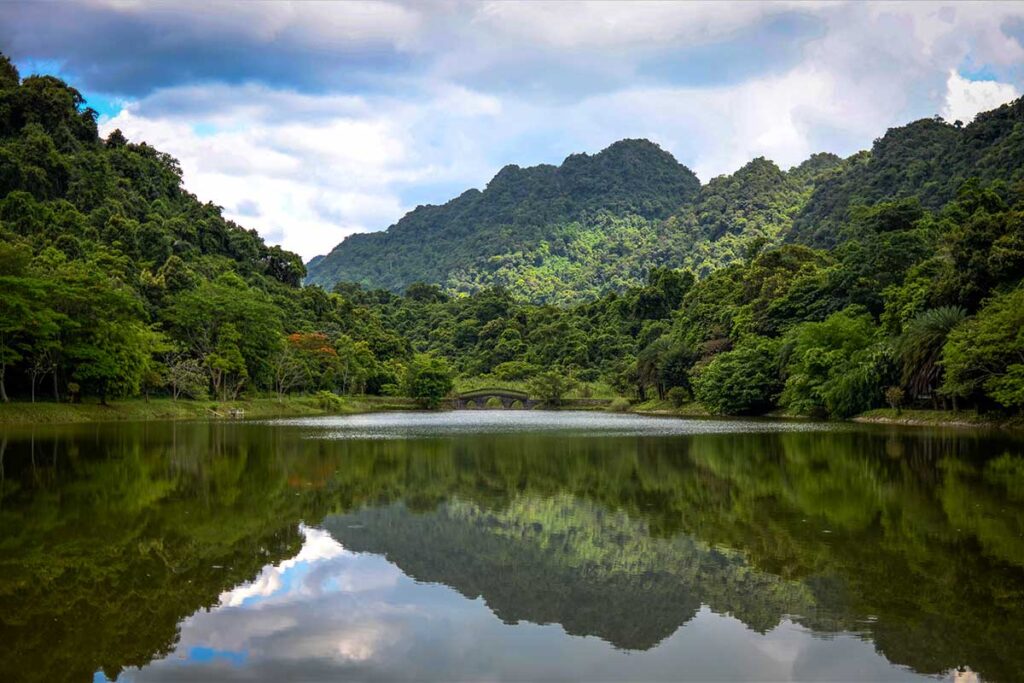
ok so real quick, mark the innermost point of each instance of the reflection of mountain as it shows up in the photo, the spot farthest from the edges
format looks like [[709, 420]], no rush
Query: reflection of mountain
[[915, 540], [570, 562], [110, 537]]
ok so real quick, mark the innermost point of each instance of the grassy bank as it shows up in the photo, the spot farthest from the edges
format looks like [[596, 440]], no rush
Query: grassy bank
[[166, 409], [656, 406], [910, 418], [939, 418]]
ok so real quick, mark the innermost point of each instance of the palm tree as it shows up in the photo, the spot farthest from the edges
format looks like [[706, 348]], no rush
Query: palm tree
[[919, 348]]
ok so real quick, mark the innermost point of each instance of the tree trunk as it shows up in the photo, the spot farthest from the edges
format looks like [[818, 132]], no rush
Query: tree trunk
[[56, 391], [3, 387]]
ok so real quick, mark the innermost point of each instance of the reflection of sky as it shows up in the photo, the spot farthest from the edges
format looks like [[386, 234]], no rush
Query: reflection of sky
[[329, 613], [578, 423]]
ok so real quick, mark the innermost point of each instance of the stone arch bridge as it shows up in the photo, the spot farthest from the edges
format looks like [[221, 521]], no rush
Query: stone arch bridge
[[478, 398]]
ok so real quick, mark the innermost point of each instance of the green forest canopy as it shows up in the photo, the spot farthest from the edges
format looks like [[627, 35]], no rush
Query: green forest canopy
[[837, 286]]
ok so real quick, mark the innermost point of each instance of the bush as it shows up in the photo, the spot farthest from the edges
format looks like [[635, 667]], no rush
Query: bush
[[894, 397], [743, 381], [328, 400], [837, 367], [494, 402], [517, 405], [619, 405], [428, 379], [551, 387], [513, 370], [677, 396], [983, 354]]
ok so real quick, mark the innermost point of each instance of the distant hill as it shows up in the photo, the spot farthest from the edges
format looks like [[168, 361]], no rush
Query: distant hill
[[600, 222], [557, 220]]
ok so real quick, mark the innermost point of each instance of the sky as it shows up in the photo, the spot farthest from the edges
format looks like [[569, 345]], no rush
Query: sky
[[311, 121]]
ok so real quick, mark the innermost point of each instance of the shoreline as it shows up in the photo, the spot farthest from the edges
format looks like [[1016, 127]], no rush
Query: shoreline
[[165, 409], [938, 418], [879, 416]]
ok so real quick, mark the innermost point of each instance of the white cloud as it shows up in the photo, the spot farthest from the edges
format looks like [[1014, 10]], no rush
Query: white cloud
[[307, 169], [319, 545], [577, 25], [965, 98], [314, 23], [308, 180]]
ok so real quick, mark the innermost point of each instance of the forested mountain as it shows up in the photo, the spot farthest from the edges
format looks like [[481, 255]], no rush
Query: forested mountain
[[548, 237], [736, 215], [569, 234], [548, 232], [927, 159], [117, 282]]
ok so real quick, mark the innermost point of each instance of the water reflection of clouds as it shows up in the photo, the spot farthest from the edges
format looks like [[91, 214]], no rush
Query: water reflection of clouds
[[330, 613], [287, 577]]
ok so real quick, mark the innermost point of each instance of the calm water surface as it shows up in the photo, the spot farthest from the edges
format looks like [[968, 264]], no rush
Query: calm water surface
[[510, 546]]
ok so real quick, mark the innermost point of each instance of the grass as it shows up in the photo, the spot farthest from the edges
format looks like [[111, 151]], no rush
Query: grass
[[655, 406], [166, 409], [938, 418]]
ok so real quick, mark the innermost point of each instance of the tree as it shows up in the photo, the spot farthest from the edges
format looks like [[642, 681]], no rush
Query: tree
[[186, 376], [920, 348], [288, 370], [984, 355], [226, 365], [25, 320], [428, 379], [743, 381], [551, 386], [836, 367], [198, 318]]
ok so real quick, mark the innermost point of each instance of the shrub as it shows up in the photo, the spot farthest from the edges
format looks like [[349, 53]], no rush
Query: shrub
[[742, 381], [618, 405], [836, 366], [428, 379], [328, 400], [677, 396], [514, 370], [494, 402], [894, 397], [551, 387]]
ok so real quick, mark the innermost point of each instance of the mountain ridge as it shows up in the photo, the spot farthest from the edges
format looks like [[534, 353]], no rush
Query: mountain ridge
[[597, 222]]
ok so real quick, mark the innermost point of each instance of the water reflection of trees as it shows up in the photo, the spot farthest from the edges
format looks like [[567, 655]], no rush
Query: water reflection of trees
[[110, 536]]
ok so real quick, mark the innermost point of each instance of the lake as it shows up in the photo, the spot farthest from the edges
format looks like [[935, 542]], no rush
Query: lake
[[510, 545]]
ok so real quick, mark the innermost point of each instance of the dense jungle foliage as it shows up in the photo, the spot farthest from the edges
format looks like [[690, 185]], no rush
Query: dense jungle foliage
[[892, 277]]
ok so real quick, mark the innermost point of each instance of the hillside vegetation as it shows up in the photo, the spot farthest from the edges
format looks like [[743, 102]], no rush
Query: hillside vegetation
[[838, 286], [559, 234]]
